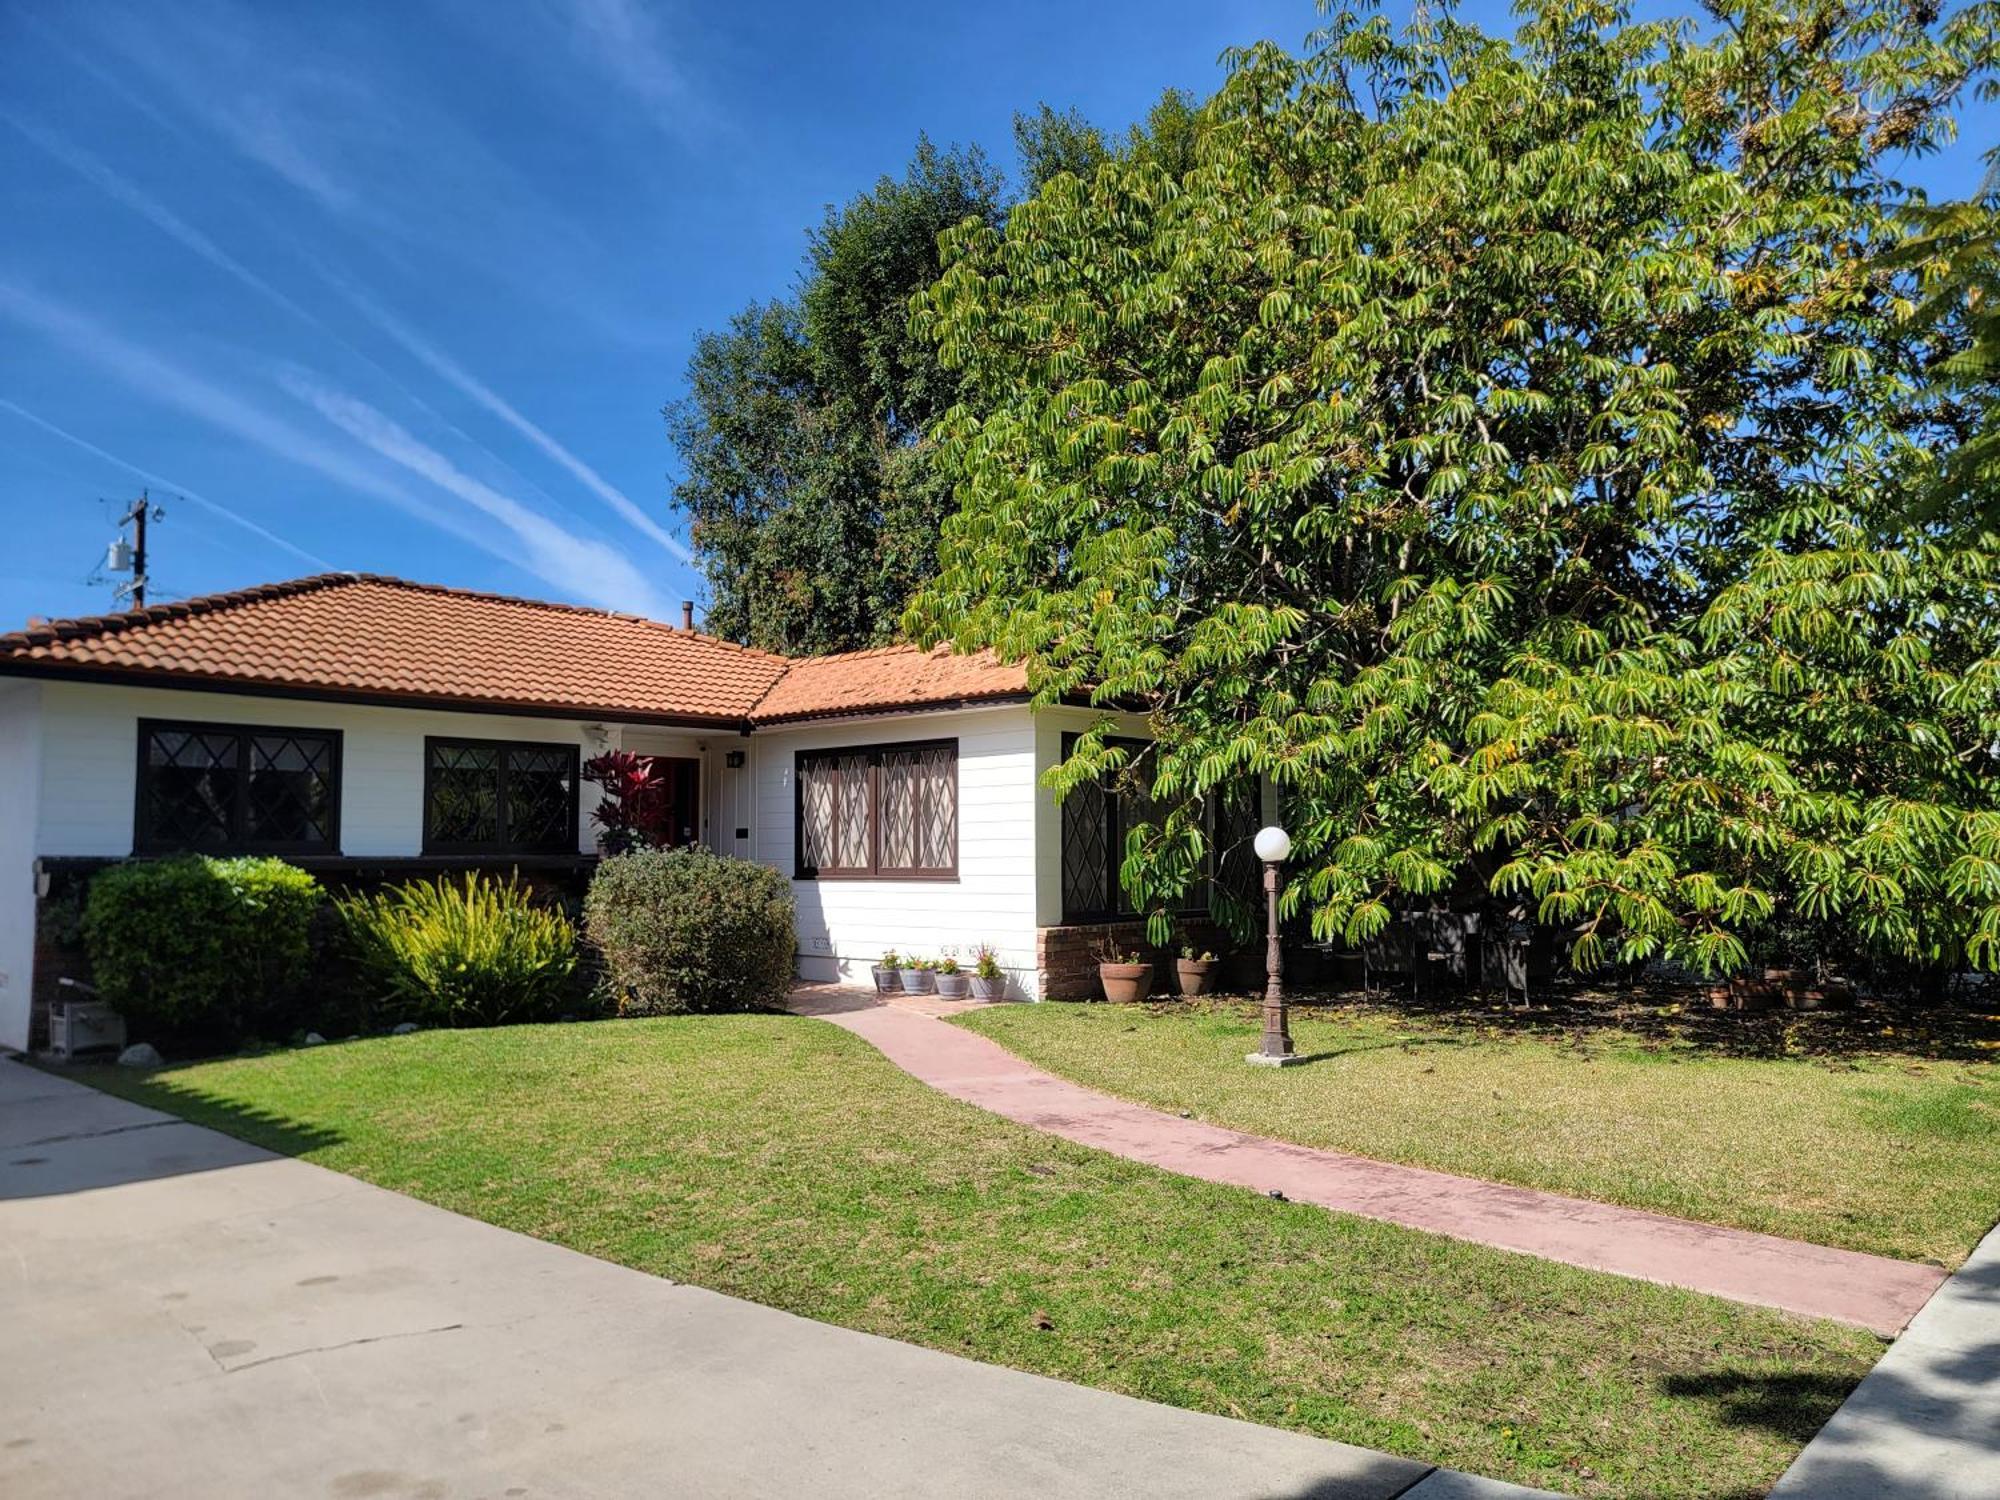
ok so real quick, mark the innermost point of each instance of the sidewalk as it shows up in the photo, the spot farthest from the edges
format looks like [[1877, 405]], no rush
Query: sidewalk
[[1925, 1423], [1869, 1290], [192, 1318]]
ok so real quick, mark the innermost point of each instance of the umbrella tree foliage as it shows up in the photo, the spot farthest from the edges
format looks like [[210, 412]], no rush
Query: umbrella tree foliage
[[1507, 446]]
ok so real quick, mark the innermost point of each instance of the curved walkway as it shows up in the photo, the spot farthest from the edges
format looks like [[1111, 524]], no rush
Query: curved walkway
[[1871, 1291]]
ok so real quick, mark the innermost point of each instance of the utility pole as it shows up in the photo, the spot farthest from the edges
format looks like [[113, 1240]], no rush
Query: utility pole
[[122, 558], [136, 516]]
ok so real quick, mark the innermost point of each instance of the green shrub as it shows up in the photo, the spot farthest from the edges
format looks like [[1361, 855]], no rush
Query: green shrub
[[686, 930], [200, 947], [468, 952]]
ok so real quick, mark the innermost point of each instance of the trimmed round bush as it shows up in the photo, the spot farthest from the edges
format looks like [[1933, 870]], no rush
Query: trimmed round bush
[[200, 947], [469, 952], [686, 930]]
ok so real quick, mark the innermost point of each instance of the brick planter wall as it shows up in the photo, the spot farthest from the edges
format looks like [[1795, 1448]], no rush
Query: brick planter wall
[[1066, 958]]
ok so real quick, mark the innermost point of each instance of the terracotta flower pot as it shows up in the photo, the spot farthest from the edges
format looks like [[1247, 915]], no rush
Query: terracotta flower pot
[[1196, 975], [887, 981], [953, 986], [917, 981], [1125, 983], [989, 989]]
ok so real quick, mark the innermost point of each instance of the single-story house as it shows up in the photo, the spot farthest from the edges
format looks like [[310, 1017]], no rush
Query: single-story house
[[350, 721]]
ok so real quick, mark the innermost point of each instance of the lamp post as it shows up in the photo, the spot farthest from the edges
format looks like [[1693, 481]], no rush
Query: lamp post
[[1273, 846]]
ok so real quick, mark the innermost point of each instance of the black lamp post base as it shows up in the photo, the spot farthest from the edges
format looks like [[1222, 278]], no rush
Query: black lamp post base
[[1267, 1060]]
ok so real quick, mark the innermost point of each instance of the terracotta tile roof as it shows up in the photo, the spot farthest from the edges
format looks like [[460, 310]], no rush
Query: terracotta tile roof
[[366, 636], [890, 677]]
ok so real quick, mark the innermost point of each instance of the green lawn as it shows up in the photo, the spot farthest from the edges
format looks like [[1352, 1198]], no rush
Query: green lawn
[[1852, 1142], [782, 1160]]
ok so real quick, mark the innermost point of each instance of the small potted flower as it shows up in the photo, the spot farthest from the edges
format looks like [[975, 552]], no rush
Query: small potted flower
[[1196, 969], [918, 976], [988, 982], [887, 972], [952, 982], [1125, 976]]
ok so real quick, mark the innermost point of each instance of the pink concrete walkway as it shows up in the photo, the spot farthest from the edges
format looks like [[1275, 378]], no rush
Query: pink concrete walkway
[[1871, 1291]]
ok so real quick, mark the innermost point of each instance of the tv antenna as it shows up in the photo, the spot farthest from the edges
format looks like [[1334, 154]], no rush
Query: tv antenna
[[129, 555]]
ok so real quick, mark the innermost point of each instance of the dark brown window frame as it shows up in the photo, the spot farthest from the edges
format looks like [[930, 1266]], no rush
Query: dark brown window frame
[[1104, 796], [873, 869], [243, 734], [502, 845]]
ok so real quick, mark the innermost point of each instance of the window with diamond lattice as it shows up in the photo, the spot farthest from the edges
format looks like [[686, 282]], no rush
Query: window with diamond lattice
[[228, 789], [886, 811], [1096, 820], [498, 797]]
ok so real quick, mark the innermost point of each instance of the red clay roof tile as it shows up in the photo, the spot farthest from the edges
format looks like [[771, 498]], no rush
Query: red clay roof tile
[[890, 677], [369, 636]]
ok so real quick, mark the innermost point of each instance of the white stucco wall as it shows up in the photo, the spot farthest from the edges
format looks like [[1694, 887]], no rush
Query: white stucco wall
[[845, 925], [20, 794]]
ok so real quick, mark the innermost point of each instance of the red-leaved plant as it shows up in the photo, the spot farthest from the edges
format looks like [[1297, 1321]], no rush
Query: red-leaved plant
[[637, 811]]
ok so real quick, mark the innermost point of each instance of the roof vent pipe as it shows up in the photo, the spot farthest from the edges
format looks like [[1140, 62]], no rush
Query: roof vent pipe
[[687, 614]]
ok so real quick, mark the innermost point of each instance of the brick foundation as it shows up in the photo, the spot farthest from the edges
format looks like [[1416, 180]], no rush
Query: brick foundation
[[1066, 958]]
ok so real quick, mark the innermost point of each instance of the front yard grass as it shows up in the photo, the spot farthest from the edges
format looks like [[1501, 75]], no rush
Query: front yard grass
[[1833, 1129], [782, 1160]]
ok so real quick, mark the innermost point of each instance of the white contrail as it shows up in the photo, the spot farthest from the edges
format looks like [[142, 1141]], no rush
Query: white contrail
[[589, 570], [589, 567], [136, 198], [444, 365], [180, 490]]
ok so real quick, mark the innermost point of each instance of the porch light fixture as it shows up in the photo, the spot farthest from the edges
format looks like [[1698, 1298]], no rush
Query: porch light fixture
[[1273, 846]]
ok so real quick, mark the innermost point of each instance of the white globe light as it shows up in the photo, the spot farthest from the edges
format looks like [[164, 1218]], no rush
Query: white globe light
[[1273, 845]]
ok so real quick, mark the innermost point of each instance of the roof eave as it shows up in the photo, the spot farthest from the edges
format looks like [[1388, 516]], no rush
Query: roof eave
[[911, 706]]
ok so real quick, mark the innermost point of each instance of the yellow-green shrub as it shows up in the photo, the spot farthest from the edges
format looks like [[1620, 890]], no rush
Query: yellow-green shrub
[[468, 952]]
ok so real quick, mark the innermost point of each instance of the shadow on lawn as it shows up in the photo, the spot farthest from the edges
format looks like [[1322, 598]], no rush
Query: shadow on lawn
[[1663, 1020], [1935, 1419]]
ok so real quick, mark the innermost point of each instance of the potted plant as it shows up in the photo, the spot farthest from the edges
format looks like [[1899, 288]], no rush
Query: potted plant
[[886, 972], [917, 976], [952, 982], [988, 982], [1125, 976], [1196, 971]]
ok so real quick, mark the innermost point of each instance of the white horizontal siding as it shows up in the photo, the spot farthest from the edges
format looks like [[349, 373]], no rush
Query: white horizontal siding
[[845, 925], [90, 761], [20, 781], [1006, 843]]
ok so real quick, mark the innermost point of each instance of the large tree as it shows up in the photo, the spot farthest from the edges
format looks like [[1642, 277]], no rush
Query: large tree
[[809, 484], [812, 504], [1507, 446]]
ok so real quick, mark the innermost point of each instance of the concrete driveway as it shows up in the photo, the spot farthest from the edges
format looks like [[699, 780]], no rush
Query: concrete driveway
[[186, 1315]]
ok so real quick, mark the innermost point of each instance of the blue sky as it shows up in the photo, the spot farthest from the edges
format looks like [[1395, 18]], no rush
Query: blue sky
[[402, 288]]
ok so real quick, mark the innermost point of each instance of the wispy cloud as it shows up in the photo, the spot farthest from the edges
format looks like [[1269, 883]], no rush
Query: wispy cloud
[[128, 193], [580, 567], [136, 198], [325, 104], [449, 369], [181, 491], [589, 568], [625, 40]]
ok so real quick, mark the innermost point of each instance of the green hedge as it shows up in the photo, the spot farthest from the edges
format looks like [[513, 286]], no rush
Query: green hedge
[[193, 946], [687, 930], [468, 952]]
